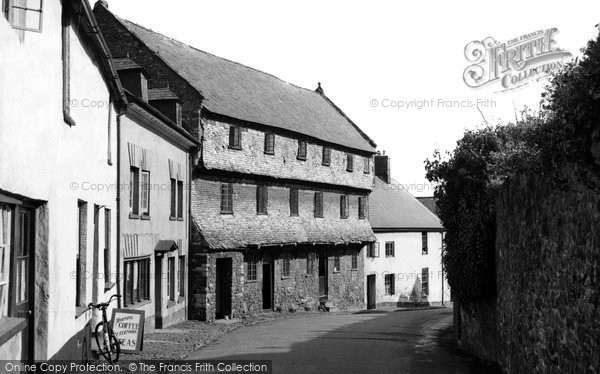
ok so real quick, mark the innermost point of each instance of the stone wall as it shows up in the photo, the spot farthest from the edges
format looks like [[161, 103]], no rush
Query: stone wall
[[299, 291], [547, 314], [251, 159]]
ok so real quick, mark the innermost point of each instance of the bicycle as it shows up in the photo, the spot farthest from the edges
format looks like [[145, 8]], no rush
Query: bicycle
[[108, 344]]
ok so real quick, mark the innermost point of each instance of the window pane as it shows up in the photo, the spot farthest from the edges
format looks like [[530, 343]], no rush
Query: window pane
[[145, 191], [180, 199], [173, 197]]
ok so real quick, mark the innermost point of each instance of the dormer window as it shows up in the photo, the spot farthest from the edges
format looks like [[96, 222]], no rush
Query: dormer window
[[24, 14], [133, 77], [167, 103]]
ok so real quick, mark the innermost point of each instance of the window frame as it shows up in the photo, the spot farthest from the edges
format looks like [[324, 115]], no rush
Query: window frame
[[318, 204], [226, 198], [173, 212], [171, 278], [354, 261], [424, 282], [294, 202], [136, 271], [373, 250], [180, 200], [235, 137], [262, 199], [390, 249], [302, 150], [181, 275], [326, 156], [134, 192], [310, 263], [285, 267], [344, 206], [367, 165], [389, 284], [424, 243], [9, 14], [349, 162], [251, 270], [269, 143], [337, 264], [144, 188], [362, 207]]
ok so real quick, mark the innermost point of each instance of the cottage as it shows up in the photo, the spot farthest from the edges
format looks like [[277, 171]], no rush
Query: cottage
[[58, 174], [280, 184], [155, 158], [404, 265]]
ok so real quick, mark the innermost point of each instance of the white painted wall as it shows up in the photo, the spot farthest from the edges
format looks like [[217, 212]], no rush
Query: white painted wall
[[407, 265], [41, 157]]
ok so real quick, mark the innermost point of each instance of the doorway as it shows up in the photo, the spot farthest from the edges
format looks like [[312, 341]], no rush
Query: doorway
[[323, 284], [224, 284], [371, 292], [267, 286], [158, 275]]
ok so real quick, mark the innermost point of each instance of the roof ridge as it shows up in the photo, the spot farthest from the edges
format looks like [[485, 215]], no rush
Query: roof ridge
[[175, 41]]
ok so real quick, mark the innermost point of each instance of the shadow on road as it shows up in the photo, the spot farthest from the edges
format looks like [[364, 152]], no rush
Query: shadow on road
[[376, 344]]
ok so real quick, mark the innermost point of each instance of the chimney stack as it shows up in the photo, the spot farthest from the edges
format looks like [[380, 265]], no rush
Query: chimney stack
[[382, 168], [103, 3]]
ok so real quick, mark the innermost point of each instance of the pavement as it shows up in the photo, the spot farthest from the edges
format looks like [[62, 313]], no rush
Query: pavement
[[387, 341]]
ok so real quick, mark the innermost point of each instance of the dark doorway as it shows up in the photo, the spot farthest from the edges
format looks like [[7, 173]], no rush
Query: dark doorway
[[158, 276], [223, 288], [267, 287], [323, 286], [371, 292]]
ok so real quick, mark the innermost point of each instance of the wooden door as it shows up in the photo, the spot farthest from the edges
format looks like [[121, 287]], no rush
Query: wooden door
[[158, 275], [323, 284], [371, 292], [267, 287]]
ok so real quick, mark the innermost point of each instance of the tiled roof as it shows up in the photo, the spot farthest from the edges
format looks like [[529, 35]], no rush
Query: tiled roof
[[227, 232], [161, 94], [238, 91], [125, 64], [392, 207], [429, 202]]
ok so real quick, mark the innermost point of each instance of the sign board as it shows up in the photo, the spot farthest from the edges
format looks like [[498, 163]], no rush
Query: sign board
[[128, 326]]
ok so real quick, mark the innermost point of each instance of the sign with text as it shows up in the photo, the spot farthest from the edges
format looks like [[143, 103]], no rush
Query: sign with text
[[128, 326]]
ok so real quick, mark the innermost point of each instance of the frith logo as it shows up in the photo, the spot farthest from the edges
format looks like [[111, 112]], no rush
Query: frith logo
[[515, 63]]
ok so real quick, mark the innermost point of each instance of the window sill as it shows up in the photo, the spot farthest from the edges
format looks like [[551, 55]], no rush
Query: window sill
[[285, 277], [235, 148], [171, 218], [137, 304], [108, 286], [336, 272], [180, 219], [270, 153], [68, 119], [145, 217], [171, 303], [181, 299], [294, 215], [11, 327], [321, 216], [226, 213], [323, 164], [354, 269], [301, 158], [79, 310], [134, 216], [262, 214]]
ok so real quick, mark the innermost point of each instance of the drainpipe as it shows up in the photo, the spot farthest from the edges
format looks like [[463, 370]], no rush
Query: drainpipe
[[442, 258], [119, 206]]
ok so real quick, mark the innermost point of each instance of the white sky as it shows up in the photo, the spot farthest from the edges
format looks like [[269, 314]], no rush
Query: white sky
[[360, 51]]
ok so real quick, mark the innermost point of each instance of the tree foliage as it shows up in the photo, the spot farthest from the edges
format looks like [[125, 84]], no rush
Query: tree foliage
[[563, 136]]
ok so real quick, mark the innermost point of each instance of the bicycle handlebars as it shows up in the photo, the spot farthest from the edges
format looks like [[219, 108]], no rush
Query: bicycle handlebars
[[103, 305]]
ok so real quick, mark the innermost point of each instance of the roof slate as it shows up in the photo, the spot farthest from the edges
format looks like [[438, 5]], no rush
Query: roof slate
[[238, 91], [392, 207], [429, 202]]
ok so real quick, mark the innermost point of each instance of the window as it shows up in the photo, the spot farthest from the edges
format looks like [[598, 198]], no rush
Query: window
[[344, 205], [5, 255], [80, 270], [293, 201], [367, 165], [251, 270], [24, 14], [269, 143], [145, 194], [336, 264], [425, 282], [354, 261], [285, 267], [226, 198], [390, 286], [326, 156], [171, 279], [362, 207], [262, 199], [137, 281], [235, 137], [424, 249], [389, 249], [373, 250], [301, 150], [134, 192], [349, 162], [310, 263], [181, 273], [319, 204], [173, 213], [180, 200], [107, 272]]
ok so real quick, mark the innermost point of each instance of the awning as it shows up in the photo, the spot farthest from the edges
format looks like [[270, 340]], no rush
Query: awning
[[165, 246]]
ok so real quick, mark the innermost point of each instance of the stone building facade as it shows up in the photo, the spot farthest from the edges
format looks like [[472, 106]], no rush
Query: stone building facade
[[276, 184]]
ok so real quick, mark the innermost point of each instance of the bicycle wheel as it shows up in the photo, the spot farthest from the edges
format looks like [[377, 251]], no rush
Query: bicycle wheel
[[110, 349]]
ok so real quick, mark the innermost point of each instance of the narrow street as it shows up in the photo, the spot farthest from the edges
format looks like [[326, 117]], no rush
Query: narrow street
[[378, 342]]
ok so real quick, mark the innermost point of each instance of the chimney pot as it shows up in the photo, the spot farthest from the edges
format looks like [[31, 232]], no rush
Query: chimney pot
[[103, 3], [319, 89]]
